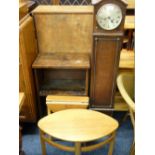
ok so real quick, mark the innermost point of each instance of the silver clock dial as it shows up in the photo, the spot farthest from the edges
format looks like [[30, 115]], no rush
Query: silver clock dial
[[109, 16]]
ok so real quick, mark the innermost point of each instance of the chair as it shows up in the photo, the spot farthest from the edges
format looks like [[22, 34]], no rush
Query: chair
[[125, 84]]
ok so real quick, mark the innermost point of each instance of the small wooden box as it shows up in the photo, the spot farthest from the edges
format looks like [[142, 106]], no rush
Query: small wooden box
[[56, 103]]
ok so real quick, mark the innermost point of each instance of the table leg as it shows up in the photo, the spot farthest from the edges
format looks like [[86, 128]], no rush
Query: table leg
[[43, 146], [77, 148], [111, 147], [132, 150]]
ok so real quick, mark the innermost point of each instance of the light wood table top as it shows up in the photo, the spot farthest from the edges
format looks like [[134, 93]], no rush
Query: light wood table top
[[78, 125], [21, 100]]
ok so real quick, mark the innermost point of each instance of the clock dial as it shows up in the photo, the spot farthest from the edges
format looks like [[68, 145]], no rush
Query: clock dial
[[109, 16]]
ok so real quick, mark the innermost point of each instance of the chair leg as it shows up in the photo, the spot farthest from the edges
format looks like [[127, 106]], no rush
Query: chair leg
[[125, 117], [48, 111], [77, 148], [43, 145], [111, 147]]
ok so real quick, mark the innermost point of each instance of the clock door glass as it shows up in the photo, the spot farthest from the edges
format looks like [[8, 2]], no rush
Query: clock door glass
[[109, 16]]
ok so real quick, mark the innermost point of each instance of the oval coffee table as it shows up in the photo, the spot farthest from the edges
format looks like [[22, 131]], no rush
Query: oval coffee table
[[78, 126]]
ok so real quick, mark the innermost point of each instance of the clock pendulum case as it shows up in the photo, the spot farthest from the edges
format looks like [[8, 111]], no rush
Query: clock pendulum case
[[109, 16]]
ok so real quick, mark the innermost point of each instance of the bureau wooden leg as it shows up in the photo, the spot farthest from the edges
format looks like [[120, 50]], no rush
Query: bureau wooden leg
[[43, 145], [111, 146], [77, 148]]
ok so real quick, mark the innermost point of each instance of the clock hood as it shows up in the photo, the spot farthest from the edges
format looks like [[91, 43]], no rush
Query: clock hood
[[95, 1], [98, 1]]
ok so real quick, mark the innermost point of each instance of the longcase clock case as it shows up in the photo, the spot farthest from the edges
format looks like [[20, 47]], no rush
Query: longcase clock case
[[105, 60]]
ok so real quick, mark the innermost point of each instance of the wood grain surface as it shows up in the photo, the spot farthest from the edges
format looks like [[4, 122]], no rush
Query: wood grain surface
[[78, 125], [57, 103], [69, 28], [62, 61], [27, 52]]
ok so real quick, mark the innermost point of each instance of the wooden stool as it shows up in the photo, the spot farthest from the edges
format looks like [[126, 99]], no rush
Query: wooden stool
[[78, 126], [56, 103]]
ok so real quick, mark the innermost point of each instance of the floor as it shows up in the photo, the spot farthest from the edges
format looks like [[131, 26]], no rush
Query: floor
[[124, 138]]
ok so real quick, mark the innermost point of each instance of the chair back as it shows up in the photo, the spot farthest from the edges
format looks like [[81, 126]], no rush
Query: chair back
[[125, 83]]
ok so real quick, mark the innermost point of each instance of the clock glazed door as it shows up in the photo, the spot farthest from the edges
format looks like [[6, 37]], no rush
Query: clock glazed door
[[104, 64]]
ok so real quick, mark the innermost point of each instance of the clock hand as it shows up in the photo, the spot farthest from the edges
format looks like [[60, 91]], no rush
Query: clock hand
[[104, 18], [108, 24]]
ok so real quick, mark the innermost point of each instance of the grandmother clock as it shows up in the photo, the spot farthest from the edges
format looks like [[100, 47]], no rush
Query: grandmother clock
[[109, 16]]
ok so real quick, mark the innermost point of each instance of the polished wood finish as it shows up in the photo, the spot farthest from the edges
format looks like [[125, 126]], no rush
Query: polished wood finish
[[57, 103], [74, 130], [27, 53], [62, 61], [69, 29], [104, 67], [105, 60], [102, 124]]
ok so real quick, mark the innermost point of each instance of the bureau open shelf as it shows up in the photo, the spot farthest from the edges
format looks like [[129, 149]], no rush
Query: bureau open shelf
[[62, 61], [61, 74], [63, 87]]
